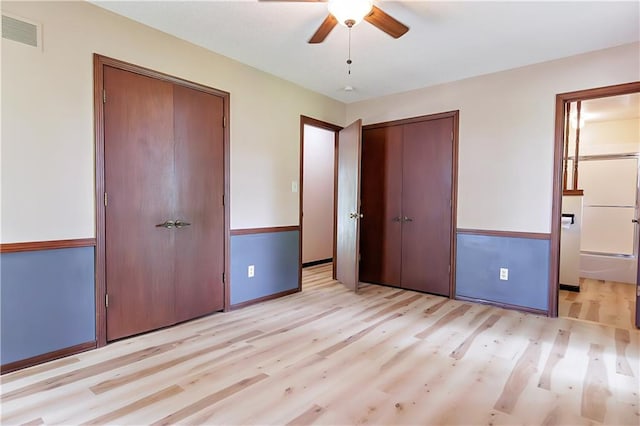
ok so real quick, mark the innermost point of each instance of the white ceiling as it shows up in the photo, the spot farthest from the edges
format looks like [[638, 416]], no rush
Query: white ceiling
[[447, 41]]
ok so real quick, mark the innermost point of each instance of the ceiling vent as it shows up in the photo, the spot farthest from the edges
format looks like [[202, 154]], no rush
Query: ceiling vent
[[21, 30]]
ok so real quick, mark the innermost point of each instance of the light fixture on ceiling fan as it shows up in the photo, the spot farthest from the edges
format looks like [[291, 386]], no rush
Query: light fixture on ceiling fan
[[350, 13]]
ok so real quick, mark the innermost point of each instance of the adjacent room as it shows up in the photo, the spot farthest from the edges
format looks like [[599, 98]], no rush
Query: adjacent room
[[600, 242], [320, 212]]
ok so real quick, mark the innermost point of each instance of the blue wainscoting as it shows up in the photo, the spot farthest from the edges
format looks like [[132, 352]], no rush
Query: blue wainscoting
[[47, 301], [478, 262], [275, 256]]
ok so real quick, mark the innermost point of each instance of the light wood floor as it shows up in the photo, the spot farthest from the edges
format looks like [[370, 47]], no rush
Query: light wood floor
[[328, 356], [605, 302]]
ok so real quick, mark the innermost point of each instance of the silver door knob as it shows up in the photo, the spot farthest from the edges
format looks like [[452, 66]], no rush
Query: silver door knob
[[355, 216], [181, 224], [166, 224], [407, 219], [396, 219], [634, 220]]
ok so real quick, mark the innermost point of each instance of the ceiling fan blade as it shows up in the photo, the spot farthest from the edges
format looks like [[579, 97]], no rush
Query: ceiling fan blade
[[380, 19], [323, 31]]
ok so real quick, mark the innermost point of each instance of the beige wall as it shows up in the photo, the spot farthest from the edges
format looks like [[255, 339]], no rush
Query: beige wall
[[317, 221], [609, 137], [506, 125], [47, 121], [507, 132]]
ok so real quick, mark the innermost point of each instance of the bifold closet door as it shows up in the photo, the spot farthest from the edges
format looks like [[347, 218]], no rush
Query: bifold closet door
[[381, 193], [199, 165], [140, 183], [426, 205]]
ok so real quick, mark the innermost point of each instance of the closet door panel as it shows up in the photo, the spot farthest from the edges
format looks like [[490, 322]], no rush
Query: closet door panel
[[139, 181], [426, 205], [199, 165], [381, 195]]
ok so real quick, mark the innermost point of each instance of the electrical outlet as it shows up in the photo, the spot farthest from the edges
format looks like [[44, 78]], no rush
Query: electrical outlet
[[504, 274], [251, 271]]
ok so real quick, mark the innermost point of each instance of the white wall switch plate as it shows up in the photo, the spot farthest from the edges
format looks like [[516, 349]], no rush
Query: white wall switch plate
[[294, 186], [251, 271], [504, 274]]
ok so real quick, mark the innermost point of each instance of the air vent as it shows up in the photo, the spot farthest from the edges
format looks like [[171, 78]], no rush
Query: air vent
[[20, 30]]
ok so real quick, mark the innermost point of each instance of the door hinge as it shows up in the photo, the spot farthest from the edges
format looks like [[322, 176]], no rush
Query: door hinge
[[223, 278], [449, 268], [452, 136], [104, 96], [224, 122], [105, 199], [637, 292], [106, 300]]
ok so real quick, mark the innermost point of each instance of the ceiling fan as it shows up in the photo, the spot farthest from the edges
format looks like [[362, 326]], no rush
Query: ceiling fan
[[350, 13]]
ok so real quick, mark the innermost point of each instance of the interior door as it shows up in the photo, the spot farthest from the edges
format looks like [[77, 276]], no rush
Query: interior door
[[348, 204], [426, 205], [139, 182], [199, 232]]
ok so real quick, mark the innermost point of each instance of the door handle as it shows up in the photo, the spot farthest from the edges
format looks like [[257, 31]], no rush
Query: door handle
[[396, 219], [166, 224], [634, 220], [408, 219], [356, 215], [181, 224]]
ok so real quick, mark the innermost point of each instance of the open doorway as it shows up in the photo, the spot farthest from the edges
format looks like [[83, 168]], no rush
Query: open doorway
[[599, 236], [318, 152]]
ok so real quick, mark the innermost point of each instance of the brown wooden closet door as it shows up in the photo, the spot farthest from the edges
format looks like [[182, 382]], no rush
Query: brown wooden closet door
[[139, 181], [426, 205], [199, 165], [381, 195]]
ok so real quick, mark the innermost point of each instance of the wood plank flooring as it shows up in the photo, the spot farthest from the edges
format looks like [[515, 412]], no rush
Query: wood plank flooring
[[605, 302], [331, 357]]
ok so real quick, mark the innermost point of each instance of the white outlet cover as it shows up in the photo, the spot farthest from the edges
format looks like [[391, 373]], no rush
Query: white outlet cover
[[251, 271], [504, 274]]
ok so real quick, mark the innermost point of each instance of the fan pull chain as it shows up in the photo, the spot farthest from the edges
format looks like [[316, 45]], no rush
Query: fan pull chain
[[349, 61]]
